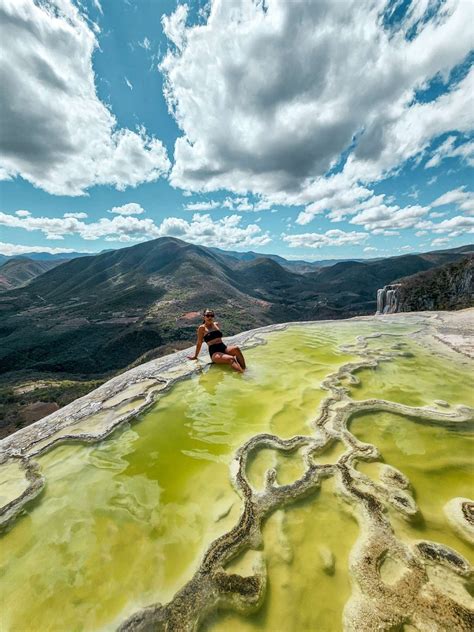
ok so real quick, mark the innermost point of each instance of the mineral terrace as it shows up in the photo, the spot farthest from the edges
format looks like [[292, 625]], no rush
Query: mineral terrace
[[396, 583]]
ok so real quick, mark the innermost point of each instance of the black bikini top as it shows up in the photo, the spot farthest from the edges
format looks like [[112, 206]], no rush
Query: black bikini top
[[212, 335]]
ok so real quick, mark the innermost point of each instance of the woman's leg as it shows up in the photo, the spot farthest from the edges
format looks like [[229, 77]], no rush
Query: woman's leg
[[224, 358], [235, 351]]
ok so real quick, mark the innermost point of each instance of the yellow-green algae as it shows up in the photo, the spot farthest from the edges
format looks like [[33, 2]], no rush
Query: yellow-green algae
[[306, 549], [417, 377], [439, 463], [13, 481], [124, 523]]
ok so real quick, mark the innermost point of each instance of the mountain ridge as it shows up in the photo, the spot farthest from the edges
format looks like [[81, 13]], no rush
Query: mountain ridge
[[90, 317]]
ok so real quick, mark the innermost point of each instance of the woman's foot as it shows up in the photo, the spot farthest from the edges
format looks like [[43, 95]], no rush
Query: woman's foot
[[240, 358], [236, 366]]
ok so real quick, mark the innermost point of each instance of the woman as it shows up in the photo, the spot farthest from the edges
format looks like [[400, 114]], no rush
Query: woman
[[220, 353]]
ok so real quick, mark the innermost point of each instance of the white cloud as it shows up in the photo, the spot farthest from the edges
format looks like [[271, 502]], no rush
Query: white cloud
[[339, 202], [440, 241], [129, 84], [174, 26], [384, 232], [465, 151], [223, 233], [411, 130], [18, 249], [202, 229], [58, 227], [454, 226], [145, 43], [267, 98], [383, 217], [370, 249], [76, 215], [243, 204], [22, 213], [329, 238], [406, 248], [132, 208], [98, 6], [460, 198], [56, 133], [201, 206], [240, 204]]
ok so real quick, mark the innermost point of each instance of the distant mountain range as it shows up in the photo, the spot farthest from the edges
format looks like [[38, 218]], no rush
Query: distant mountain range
[[19, 271], [45, 256], [92, 316], [98, 313], [295, 265]]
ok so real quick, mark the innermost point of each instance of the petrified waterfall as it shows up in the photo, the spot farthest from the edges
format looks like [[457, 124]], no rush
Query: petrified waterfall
[[388, 299]]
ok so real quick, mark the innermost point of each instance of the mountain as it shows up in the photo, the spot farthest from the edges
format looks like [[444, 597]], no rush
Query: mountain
[[47, 256], [97, 314], [295, 265], [446, 287], [352, 285], [86, 319], [249, 255], [20, 270]]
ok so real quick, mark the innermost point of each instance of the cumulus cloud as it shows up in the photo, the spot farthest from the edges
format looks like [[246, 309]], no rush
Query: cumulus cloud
[[76, 215], [465, 151], [440, 241], [268, 99], [460, 198], [22, 213], [239, 204], [174, 25], [455, 226], [329, 238], [132, 208], [223, 233], [55, 132], [383, 217], [201, 206], [201, 229], [339, 203]]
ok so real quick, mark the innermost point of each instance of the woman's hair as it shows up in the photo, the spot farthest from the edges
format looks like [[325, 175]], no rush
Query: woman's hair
[[208, 309]]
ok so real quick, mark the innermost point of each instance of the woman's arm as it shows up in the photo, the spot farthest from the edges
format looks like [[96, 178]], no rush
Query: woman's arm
[[200, 336]]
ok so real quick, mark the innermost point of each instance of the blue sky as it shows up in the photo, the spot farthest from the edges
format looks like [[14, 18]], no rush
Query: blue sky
[[312, 130]]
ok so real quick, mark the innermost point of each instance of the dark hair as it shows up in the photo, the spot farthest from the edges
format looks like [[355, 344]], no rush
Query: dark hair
[[204, 312]]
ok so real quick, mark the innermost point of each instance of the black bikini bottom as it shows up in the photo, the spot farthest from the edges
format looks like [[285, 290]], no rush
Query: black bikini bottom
[[217, 346]]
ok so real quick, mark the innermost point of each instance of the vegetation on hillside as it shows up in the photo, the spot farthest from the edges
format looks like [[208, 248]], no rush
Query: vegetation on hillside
[[93, 316]]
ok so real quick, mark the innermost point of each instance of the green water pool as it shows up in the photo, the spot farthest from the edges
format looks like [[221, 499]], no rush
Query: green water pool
[[124, 523]]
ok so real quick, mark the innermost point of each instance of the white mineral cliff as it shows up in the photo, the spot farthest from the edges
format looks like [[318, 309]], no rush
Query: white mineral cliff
[[388, 299]]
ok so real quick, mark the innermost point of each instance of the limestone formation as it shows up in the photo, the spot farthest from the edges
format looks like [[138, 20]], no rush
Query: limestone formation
[[395, 584]]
